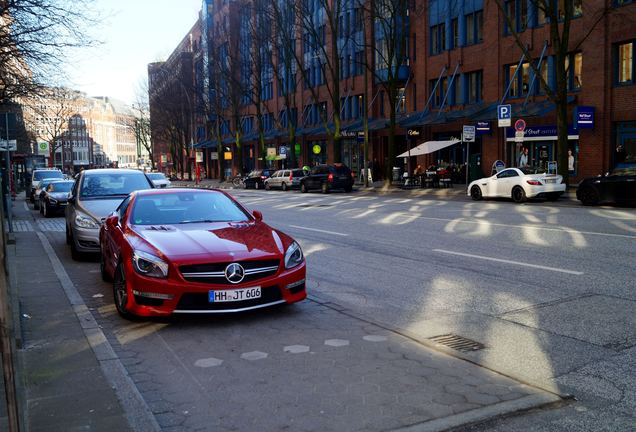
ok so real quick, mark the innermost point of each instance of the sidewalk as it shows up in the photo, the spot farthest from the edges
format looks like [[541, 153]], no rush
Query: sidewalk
[[62, 386]]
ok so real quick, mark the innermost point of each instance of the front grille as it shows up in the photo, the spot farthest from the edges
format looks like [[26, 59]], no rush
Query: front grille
[[199, 301], [148, 301], [214, 273]]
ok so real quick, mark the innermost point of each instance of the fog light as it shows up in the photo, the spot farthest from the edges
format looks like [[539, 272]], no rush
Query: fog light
[[159, 296], [295, 284]]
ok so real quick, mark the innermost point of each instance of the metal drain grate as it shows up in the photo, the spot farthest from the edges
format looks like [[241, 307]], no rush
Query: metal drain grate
[[457, 342]]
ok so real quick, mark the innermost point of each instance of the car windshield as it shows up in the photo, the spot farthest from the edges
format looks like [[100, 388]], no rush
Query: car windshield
[[156, 176], [39, 175], [115, 184], [61, 186], [186, 207]]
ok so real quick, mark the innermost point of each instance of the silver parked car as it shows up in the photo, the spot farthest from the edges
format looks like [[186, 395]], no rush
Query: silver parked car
[[285, 179], [159, 179], [96, 194]]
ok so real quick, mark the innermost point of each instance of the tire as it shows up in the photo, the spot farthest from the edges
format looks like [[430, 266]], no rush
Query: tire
[[518, 195], [589, 196], [44, 208], [75, 254], [284, 186], [236, 182], [267, 186], [36, 204], [102, 269], [120, 292], [324, 188], [41, 211], [245, 185], [303, 188], [475, 193]]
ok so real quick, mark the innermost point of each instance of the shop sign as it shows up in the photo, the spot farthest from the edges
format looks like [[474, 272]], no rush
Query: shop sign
[[360, 137], [297, 149], [271, 151], [316, 149], [199, 157], [552, 167], [348, 134], [227, 155], [413, 133], [541, 133], [482, 128], [214, 155], [584, 117], [164, 158]]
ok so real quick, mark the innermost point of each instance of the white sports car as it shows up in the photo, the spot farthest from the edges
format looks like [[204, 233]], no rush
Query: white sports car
[[519, 185]]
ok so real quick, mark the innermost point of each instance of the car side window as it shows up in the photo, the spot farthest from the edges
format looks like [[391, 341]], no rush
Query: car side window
[[121, 210]]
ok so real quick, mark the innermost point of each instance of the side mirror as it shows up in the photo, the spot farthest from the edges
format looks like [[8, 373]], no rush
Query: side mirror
[[258, 215], [112, 220]]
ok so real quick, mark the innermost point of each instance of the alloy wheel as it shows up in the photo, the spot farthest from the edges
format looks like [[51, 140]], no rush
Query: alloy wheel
[[475, 193]]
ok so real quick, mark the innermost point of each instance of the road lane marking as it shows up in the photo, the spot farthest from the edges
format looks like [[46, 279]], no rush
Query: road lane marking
[[561, 230], [319, 230], [554, 269]]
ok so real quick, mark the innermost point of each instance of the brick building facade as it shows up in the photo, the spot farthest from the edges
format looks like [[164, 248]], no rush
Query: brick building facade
[[459, 60]]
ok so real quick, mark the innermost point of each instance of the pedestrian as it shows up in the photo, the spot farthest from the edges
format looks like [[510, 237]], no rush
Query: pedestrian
[[523, 159]]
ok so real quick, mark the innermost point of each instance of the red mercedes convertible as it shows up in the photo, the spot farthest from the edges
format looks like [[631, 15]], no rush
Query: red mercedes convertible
[[196, 251]]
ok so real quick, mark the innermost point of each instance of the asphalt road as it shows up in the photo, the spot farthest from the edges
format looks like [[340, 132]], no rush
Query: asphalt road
[[547, 289]]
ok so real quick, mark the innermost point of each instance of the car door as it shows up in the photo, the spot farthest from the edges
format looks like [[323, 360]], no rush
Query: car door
[[624, 184], [506, 180]]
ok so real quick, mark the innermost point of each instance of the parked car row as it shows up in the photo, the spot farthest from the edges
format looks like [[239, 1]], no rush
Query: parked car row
[[169, 250], [324, 178]]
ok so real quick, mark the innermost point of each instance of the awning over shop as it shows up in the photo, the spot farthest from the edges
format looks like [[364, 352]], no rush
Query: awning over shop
[[531, 109], [203, 144], [428, 147], [316, 130], [375, 124]]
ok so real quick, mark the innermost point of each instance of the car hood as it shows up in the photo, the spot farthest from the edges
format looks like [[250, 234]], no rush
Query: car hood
[[100, 208], [217, 241]]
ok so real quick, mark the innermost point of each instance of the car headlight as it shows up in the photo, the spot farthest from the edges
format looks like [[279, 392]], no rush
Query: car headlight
[[293, 256], [84, 221], [149, 265]]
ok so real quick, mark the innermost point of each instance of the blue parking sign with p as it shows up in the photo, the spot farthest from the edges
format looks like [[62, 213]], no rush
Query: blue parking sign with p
[[504, 115]]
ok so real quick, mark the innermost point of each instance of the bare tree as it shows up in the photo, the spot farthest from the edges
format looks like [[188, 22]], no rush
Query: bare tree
[[388, 44], [35, 37], [559, 21], [54, 107], [141, 122]]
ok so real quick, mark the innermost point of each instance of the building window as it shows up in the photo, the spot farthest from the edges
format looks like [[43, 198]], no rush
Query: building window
[[625, 64], [574, 67], [517, 11], [455, 33], [474, 81], [575, 5], [359, 66], [400, 103], [521, 84], [440, 91], [475, 27], [438, 38]]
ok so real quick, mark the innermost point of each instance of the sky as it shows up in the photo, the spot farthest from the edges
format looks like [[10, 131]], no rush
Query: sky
[[134, 33]]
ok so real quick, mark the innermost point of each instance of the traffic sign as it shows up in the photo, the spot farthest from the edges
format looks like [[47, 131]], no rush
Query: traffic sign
[[519, 134], [469, 133], [520, 125], [504, 115]]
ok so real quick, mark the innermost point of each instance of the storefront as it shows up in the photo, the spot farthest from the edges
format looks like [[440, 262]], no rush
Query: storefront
[[541, 145], [625, 143], [352, 144]]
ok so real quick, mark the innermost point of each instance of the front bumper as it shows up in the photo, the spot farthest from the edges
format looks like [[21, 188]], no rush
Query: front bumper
[[86, 240], [192, 297]]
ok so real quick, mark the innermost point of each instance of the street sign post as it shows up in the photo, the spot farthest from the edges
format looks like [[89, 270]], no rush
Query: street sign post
[[469, 133], [504, 115], [520, 125], [519, 136]]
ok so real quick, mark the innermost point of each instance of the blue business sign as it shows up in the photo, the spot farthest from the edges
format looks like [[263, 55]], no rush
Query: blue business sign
[[482, 128], [584, 117]]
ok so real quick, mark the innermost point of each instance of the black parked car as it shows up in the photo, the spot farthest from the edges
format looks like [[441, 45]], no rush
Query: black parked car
[[328, 177], [256, 179], [619, 186], [54, 197]]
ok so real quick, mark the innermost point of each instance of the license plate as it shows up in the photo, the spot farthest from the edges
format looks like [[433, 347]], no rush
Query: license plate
[[550, 181], [234, 295], [342, 177]]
